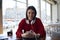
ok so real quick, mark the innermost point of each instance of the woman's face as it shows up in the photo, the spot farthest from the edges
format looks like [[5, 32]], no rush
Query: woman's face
[[30, 14]]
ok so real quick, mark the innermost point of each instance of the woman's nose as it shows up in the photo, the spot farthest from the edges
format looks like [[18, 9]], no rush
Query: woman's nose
[[31, 14]]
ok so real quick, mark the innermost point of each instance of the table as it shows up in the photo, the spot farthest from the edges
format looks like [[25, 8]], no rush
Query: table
[[55, 31]]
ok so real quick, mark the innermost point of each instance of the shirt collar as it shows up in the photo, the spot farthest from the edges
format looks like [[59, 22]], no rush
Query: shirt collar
[[32, 22]]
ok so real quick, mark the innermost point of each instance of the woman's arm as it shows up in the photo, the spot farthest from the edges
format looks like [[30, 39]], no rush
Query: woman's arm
[[43, 38], [29, 34], [19, 30], [41, 30]]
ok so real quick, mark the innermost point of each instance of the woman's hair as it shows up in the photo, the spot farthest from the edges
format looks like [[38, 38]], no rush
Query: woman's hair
[[33, 8]]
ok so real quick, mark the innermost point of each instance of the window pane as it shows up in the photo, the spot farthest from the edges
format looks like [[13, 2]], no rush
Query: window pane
[[21, 11], [48, 11], [8, 6], [21, 5], [13, 12], [33, 2], [23, 1], [45, 12]]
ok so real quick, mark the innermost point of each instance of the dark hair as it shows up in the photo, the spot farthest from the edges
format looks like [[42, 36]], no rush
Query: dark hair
[[0, 4], [33, 8]]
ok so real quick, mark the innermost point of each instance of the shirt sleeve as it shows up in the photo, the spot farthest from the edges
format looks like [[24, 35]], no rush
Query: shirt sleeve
[[41, 29], [19, 30]]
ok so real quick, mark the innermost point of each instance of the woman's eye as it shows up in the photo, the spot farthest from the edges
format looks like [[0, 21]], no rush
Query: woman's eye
[[32, 12], [29, 12]]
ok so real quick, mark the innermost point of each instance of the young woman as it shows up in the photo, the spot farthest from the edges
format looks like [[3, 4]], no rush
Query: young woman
[[31, 26]]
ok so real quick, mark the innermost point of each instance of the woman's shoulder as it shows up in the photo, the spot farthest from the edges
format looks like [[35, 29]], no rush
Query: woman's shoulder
[[23, 19], [38, 19]]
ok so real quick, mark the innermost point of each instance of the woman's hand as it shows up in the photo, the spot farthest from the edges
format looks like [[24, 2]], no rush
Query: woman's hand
[[29, 34]]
